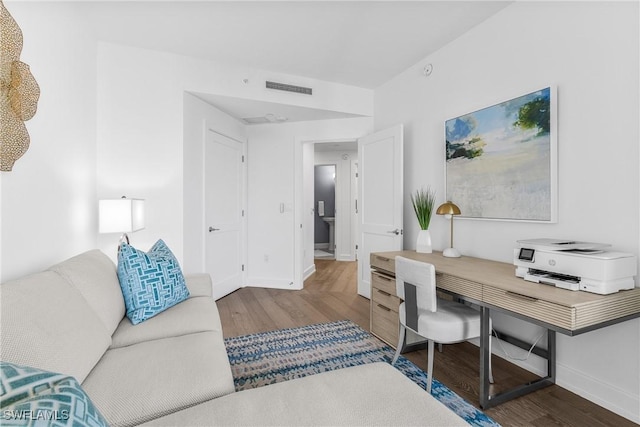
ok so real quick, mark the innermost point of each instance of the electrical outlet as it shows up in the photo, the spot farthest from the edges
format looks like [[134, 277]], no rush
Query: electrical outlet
[[266, 257]]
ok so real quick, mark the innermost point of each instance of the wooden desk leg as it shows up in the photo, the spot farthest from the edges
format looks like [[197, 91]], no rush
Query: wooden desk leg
[[487, 400]]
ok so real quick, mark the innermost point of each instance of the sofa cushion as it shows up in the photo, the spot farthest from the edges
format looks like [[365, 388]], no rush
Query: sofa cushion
[[32, 396], [47, 323], [196, 314], [144, 381], [94, 275], [151, 282], [199, 284], [375, 394]]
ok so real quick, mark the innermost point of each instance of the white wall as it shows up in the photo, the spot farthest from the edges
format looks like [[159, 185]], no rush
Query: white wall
[[49, 207], [590, 51], [139, 142], [275, 166], [141, 123]]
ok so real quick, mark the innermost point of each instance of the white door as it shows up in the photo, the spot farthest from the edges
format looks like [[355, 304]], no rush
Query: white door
[[380, 175], [224, 197]]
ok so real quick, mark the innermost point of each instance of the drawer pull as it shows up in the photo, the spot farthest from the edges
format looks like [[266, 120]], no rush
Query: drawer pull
[[388, 279], [383, 292], [383, 307], [381, 258], [520, 296]]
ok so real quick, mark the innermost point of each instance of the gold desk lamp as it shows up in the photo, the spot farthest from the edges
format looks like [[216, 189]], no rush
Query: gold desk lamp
[[449, 209]]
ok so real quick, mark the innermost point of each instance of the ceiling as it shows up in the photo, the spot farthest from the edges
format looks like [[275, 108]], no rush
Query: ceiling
[[359, 43]]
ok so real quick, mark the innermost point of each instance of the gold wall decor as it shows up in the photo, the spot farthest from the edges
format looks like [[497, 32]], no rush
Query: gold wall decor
[[19, 93]]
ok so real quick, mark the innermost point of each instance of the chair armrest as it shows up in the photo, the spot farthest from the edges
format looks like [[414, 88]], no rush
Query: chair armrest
[[199, 285]]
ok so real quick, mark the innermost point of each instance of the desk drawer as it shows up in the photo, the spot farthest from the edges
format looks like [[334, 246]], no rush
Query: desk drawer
[[459, 286], [381, 297], [385, 324], [545, 311], [383, 263], [385, 283]]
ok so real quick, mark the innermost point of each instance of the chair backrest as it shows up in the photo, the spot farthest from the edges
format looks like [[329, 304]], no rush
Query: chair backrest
[[416, 285]]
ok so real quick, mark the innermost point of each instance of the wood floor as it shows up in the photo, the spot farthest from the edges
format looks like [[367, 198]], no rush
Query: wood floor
[[330, 294]]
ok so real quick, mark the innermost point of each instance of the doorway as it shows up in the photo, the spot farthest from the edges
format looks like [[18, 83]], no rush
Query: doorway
[[336, 162], [324, 190], [310, 152]]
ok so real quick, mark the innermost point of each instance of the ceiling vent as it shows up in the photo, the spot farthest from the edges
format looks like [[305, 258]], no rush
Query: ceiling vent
[[268, 118], [255, 120], [289, 88]]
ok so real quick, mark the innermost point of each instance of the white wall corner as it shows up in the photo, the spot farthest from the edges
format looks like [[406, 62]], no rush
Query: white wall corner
[[309, 271]]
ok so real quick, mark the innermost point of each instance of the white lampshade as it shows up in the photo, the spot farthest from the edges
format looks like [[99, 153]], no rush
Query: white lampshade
[[121, 215]]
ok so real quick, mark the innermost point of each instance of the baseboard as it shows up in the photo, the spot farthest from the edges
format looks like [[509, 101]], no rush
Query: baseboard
[[308, 272], [321, 245], [609, 396], [257, 282]]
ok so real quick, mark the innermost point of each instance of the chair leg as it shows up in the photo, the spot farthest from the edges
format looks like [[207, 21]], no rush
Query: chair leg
[[402, 333], [440, 347], [429, 365]]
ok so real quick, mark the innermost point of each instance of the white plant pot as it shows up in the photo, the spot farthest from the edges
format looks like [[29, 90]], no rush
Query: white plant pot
[[423, 244]]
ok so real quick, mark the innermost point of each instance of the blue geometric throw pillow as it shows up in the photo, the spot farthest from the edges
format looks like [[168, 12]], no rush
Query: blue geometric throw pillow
[[33, 397], [151, 282]]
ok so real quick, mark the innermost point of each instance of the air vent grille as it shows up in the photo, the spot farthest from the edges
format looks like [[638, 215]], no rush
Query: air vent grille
[[255, 120], [289, 88]]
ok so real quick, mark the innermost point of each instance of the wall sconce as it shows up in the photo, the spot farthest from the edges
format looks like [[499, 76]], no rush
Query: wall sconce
[[449, 209], [121, 216]]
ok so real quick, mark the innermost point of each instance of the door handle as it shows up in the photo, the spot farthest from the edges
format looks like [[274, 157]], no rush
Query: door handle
[[396, 231], [213, 229]]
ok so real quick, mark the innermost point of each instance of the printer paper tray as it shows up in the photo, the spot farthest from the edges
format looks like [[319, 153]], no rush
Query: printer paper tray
[[559, 280]]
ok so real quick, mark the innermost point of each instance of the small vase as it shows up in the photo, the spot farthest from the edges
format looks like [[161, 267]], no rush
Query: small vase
[[423, 244]]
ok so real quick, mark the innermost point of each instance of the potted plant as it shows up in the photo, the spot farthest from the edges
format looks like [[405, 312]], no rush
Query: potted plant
[[423, 202]]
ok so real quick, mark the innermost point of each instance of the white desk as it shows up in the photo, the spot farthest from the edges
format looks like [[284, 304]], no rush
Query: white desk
[[493, 286]]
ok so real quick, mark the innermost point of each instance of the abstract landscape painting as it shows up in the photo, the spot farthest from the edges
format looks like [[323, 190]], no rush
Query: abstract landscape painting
[[501, 160]]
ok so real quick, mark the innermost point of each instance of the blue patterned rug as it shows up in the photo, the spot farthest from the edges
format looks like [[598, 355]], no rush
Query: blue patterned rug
[[271, 357]]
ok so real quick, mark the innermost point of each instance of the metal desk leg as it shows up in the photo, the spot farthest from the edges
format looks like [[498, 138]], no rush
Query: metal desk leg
[[487, 400], [551, 355], [484, 356]]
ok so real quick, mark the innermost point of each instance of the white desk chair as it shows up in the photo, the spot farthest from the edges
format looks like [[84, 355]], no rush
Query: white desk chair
[[437, 320]]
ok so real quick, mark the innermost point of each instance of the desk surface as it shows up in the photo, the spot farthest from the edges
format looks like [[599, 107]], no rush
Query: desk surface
[[499, 286]]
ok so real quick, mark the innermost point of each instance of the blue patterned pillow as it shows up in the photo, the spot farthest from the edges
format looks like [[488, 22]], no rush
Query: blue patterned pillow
[[151, 282], [32, 396]]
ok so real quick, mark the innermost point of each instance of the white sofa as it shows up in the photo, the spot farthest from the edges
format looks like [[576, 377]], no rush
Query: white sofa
[[172, 369]]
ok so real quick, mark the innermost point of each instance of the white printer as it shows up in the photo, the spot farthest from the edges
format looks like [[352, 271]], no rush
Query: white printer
[[575, 265]]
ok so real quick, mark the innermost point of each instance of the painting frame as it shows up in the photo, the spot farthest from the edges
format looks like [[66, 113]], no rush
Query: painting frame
[[501, 161]]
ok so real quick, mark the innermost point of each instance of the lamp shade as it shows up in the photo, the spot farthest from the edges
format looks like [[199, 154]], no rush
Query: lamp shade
[[448, 208], [121, 215]]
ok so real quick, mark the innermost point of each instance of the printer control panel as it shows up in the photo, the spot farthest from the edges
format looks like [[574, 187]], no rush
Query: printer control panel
[[526, 254]]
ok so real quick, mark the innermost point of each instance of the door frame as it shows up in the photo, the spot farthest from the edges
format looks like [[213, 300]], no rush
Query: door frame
[[208, 127], [299, 273]]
